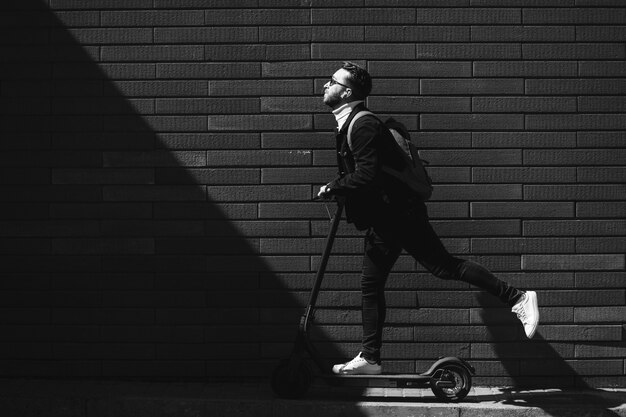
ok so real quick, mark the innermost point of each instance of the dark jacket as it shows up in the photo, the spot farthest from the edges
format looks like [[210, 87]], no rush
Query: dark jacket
[[366, 188]]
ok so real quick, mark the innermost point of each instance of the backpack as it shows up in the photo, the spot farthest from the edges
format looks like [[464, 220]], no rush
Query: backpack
[[414, 173]]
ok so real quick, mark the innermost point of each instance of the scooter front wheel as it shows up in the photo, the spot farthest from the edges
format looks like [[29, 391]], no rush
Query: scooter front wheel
[[292, 378], [451, 382]]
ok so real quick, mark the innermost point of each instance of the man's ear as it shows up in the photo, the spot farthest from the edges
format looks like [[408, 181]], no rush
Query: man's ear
[[346, 93]]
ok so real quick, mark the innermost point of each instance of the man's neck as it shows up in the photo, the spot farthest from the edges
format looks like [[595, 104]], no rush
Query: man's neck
[[343, 112]]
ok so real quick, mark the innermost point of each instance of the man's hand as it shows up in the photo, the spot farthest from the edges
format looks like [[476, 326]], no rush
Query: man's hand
[[324, 190]]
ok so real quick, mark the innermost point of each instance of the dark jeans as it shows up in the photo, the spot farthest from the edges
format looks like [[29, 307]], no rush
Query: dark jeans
[[410, 230]]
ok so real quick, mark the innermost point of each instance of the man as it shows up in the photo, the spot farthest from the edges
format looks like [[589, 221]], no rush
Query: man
[[394, 220]]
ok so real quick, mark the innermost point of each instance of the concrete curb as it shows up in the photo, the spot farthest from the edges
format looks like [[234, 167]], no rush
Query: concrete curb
[[29, 398]]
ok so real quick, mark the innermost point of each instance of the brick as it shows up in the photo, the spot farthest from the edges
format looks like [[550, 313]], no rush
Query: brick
[[257, 228], [151, 18], [599, 314], [444, 333], [575, 86], [24, 246], [472, 121], [361, 16], [425, 140], [471, 157], [601, 245], [152, 53], [207, 176], [449, 175], [102, 36], [147, 228], [212, 246], [410, 33], [524, 69], [204, 35], [402, 86], [211, 106], [579, 157], [419, 69], [601, 69], [258, 88], [260, 122], [208, 70], [524, 140], [607, 350], [256, 158], [303, 69], [78, 5], [600, 33], [157, 88], [572, 51], [572, 262], [604, 104], [574, 192], [362, 51], [472, 228], [474, 86], [100, 210], [600, 209], [523, 33], [521, 210], [524, 105], [600, 139], [292, 211], [204, 210], [308, 140], [446, 16], [257, 17], [468, 51], [296, 175], [476, 192], [603, 175], [578, 16], [102, 176], [522, 245], [576, 121], [421, 104], [523, 3], [153, 193], [524, 175], [205, 141], [574, 227], [599, 279], [292, 105], [154, 159], [283, 52]]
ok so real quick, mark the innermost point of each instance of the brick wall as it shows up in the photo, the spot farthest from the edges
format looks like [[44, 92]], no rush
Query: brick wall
[[158, 161]]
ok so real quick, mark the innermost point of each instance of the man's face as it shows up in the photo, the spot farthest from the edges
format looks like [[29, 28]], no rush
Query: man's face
[[336, 90]]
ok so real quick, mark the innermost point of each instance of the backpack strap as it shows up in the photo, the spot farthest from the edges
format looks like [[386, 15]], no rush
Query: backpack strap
[[351, 125]]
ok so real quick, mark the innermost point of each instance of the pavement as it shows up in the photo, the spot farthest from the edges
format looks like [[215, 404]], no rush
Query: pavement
[[54, 398]]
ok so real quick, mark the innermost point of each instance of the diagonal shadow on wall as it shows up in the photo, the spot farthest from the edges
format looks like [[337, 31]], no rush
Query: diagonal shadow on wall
[[115, 263]]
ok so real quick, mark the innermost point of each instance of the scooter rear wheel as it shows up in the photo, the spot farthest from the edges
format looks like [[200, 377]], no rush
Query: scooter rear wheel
[[451, 382], [292, 378]]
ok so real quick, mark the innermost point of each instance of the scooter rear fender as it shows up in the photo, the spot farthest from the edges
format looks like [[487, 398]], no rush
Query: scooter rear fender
[[447, 360]]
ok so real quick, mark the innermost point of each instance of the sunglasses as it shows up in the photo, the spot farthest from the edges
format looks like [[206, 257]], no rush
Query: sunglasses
[[333, 82]]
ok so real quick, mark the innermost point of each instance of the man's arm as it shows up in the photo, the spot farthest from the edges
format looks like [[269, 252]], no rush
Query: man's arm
[[366, 160]]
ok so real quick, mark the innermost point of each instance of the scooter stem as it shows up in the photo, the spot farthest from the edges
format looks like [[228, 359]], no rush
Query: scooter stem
[[322, 266]]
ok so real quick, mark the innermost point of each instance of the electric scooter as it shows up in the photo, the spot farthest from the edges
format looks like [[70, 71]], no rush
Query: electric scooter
[[449, 378]]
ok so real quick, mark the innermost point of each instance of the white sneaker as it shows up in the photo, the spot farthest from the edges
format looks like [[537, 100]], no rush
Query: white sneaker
[[527, 311], [357, 366]]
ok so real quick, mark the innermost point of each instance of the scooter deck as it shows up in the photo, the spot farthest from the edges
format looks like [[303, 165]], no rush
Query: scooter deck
[[381, 381]]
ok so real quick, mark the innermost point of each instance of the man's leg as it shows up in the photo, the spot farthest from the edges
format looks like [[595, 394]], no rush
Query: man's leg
[[417, 237], [378, 260]]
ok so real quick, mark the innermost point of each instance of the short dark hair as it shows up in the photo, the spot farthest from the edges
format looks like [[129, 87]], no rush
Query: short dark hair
[[360, 79]]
